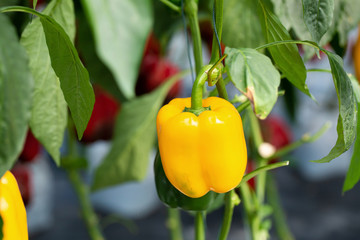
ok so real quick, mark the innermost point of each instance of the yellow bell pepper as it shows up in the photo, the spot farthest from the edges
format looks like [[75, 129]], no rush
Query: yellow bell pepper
[[204, 152], [12, 209]]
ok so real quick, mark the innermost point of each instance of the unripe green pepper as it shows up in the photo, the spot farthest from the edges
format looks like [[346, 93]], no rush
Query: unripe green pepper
[[173, 198]]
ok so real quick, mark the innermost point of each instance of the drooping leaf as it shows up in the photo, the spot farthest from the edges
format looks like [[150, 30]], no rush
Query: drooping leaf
[[49, 110], [286, 56], [318, 15], [241, 27], [353, 174], [74, 78], [133, 141], [255, 76], [346, 125], [16, 86], [120, 29]]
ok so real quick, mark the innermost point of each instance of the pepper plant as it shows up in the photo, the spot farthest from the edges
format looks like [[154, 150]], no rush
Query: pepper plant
[[49, 64]]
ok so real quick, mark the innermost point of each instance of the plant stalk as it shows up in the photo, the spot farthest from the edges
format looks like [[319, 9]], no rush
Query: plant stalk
[[82, 190], [219, 6], [200, 225], [229, 209], [174, 224], [191, 11], [88, 214]]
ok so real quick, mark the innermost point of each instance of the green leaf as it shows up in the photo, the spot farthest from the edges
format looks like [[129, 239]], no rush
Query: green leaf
[[34, 4], [353, 174], [99, 73], [346, 125], [134, 138], [241, 27], [287, 56], [74, 78], [318, 15], [120, 29], [16, 87], [254, 75], [49, 110]]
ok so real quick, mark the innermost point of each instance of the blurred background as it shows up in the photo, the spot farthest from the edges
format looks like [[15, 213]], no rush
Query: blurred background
[[310, 193]]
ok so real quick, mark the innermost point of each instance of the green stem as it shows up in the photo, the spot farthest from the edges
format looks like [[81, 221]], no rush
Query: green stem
[[229, 209], [250, 203], [191, 11], [281, 226], [258, 140], [243, 106], [197, 90], [174, 224], [199, 226], [89, 216], [82, 190], [309, 43], [306, 138], [171, 5], [256, 172], [219, 6]]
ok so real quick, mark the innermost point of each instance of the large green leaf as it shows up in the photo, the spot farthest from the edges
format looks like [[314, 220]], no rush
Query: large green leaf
[[74, 78], [353, 174], [16, 87], [286, 56], [99, 73], [241, 27], [49, 110], [318, 15], [346, 125], [120, 29], [133, 141], [255, 76]]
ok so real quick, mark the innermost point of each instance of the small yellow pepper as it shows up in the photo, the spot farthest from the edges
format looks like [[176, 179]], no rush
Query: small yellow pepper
[[12, 209], [204, 152]]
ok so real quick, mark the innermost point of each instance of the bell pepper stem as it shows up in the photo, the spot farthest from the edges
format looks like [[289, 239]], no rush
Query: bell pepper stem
[[229, 209], [199, 225], [174, 224], [197, 90]]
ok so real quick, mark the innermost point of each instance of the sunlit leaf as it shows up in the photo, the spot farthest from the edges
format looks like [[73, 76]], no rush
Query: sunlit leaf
[[255, 76], [346, 126], [49, 110]]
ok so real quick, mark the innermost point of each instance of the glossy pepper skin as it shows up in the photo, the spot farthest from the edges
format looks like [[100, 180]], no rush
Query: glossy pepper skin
[[12, 209], [173, 198], [205, 152]]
